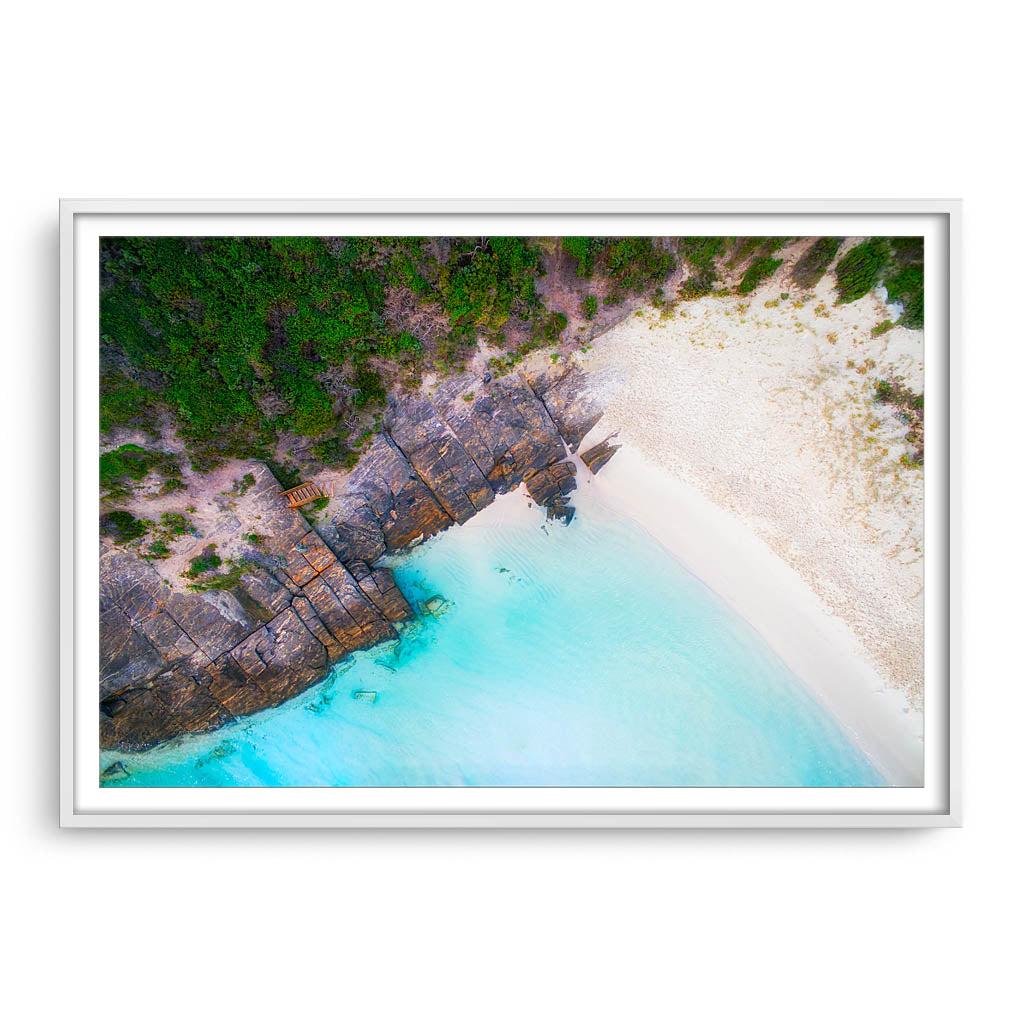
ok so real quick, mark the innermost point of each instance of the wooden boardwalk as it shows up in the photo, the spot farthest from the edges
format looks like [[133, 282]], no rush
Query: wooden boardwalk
[[302, 495]]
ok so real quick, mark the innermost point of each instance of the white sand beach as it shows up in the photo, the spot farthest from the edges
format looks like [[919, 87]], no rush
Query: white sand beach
[[754, 451]]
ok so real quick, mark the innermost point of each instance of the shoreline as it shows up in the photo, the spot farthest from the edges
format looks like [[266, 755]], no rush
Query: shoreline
[[753, 449], [817, 646]]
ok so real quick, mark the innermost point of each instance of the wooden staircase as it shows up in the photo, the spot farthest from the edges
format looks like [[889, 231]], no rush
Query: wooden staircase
[[302, 495]]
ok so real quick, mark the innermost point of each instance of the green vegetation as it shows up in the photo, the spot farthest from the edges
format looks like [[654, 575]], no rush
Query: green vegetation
[[553, 326], [897, 263], [158, 549], [861, 269], [700, 253], [369, 388], [176, 524], [904, 280], [235, 569], [257, 540], [630, 265], [239, 344], [910, 406], [122, 526], [123, 402], [745, 248], [241, 486], [131, 463], [634, 264], [759, 270], [237, 339], [883, 328], [286, 474], [481, 285], [583, 251], [206, 562], [811, 267]]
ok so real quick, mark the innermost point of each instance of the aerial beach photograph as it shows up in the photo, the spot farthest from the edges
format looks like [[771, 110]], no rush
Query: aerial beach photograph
[[511, 511]]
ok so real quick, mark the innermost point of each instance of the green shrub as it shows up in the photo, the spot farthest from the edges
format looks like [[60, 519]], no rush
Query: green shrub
[[125, 403], [176, 524], [590, 306], [583, 251], [905, 284], [287, 475], [206, 562], [700, 252], [369, 387], [130, 463], [861, 269], [635, 264], [759, 270], [122, 526], [554, 325], [158, 549], [235, 570]]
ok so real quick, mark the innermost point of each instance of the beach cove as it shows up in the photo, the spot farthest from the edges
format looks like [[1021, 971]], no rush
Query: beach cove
[[718, 533], [535, 663]]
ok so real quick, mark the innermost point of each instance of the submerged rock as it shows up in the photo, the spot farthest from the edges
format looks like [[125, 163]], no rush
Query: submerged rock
[[117, 770], [436, 606]]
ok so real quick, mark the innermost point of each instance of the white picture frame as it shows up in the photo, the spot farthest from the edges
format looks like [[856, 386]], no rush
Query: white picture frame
[[84, 804]]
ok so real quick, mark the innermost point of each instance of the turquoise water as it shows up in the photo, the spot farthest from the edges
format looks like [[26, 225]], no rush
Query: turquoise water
[[564, 656]]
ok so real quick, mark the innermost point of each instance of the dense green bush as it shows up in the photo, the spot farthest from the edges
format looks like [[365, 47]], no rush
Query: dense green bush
[[700, 252], [130, 463], [484, 281], [904, 280], [554, 325], [287, 475], [206, 562], [237, 342], [369, 387], [635, 264], [122, 526], [861, 269], [583, 250]]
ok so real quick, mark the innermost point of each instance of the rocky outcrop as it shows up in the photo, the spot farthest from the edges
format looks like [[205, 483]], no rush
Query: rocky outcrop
[[176, 661], [574, 400], [596, 457], [385, 507], [471, 440]]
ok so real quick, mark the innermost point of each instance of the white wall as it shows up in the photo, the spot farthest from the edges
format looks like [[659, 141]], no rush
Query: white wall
[[530, 99]]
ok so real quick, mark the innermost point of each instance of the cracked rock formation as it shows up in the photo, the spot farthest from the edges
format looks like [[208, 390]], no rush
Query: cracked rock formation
[[176, 662]]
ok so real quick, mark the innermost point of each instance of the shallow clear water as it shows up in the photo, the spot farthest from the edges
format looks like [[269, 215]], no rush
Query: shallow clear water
[[566, 656]]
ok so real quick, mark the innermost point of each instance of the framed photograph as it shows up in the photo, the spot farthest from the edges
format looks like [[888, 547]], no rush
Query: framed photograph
[[509, 513]]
